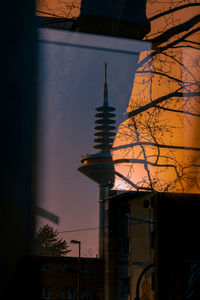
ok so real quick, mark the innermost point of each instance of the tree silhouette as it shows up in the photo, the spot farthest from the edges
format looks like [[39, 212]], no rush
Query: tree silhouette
[[49, 243], [157, 147]]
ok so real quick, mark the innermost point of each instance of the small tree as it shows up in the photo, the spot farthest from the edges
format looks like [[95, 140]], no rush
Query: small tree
[[49, 243]]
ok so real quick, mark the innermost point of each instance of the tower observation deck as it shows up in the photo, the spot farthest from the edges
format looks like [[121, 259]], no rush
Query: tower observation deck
[[99, 166]]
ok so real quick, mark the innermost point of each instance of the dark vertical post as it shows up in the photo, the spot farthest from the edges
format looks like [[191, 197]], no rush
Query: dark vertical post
[[79, 255], [18, 115], [111, 249], [103, 191]]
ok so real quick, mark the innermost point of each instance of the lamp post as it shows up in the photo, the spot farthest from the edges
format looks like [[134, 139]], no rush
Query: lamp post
[[79, 255]]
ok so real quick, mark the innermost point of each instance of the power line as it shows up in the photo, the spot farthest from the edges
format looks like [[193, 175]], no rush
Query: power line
[[94, 228], [81, 229]]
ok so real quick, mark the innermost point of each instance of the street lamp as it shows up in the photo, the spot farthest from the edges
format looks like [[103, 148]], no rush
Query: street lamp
[[79, 255]]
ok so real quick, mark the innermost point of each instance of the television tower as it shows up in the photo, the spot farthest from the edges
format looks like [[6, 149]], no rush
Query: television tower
[[99, 167]]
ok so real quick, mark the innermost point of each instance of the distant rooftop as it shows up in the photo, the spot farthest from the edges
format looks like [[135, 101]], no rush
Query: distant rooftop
[[58, 23]]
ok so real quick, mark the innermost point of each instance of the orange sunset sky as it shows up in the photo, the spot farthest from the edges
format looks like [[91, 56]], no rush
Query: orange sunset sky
[[176, 69]]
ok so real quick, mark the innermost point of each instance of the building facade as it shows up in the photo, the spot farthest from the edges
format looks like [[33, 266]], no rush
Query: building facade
[[152, 246], [59, 278], [151, 252], [129, 248]]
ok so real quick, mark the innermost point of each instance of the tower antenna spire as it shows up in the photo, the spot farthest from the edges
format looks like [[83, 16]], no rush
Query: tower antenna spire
[[105, 90], [105, 72]]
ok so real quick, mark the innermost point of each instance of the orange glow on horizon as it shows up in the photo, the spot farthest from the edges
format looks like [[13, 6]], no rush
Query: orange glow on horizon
[[175, 124]]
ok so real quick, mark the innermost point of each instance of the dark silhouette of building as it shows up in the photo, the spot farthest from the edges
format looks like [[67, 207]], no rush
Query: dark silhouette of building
[[151, 252], [156, 234], [114, 18], [59, 275], [129, 245], [177, 246]]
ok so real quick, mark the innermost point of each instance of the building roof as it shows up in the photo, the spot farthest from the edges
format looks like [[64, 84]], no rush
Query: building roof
[[58, 23]]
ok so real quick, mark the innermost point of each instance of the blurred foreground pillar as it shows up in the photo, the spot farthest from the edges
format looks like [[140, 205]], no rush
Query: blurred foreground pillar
[[18, 116]]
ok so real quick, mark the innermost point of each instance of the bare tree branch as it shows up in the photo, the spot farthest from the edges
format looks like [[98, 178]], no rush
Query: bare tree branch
[[166, 146], [161, 74], [131, 183], [181, 64], [148, 136], [175, 30], [179, 111], [155, 102], [167, 12], [181, 39]]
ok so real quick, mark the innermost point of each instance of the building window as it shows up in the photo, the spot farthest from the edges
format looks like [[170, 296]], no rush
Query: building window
[[66, 269], [152, 240], [153, 281], [45, 267], [67, 293], [124, 286], [85, 270], [86, 295], [125, 211], [45, 293], [125, 247]]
